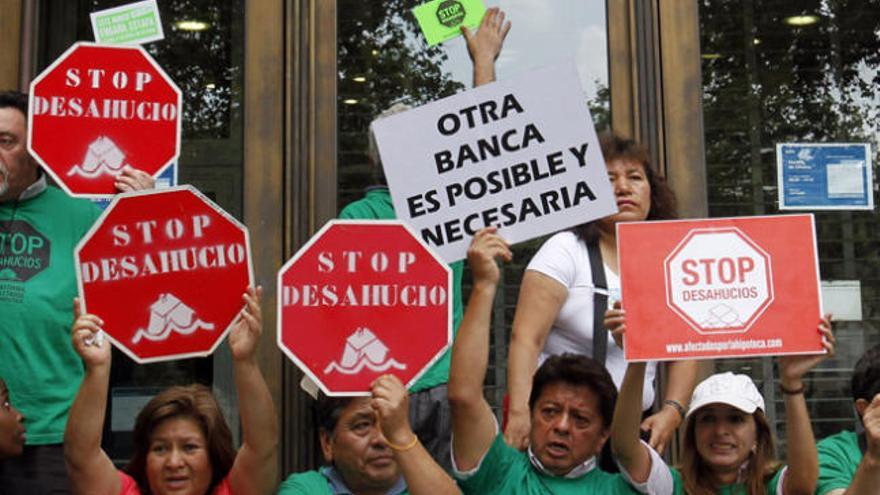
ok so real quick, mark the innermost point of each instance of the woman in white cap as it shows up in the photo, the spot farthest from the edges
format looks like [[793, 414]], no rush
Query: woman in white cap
[[728, 444]]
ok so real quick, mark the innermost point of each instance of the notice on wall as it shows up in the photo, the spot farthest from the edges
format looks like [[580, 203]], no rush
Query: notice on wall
[[131, 24], [825, 176], [521, 155], [720, 287], [843, 299]]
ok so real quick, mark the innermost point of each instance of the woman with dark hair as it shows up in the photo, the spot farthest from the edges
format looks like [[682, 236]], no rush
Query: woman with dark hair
[[728, 444], [182, 443], [562, 298]]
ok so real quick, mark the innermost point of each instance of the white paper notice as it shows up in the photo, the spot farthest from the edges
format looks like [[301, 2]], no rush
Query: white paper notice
[[843, 299], [846, 178]]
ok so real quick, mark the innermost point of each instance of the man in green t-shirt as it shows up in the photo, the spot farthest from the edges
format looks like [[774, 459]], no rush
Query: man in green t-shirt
[[572, 403], [849, 463], [40, 226], [429, 407], [370, 447]]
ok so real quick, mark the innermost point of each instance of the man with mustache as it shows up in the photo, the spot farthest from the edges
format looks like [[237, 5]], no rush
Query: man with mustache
[[370, 448], [39, 227], [572, 403]]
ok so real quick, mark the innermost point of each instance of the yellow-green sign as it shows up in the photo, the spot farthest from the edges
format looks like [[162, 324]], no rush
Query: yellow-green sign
[[130, 24], [441, 20]]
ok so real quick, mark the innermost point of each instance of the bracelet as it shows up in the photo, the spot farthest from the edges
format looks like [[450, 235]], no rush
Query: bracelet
[[675, 405], [403, 448], [789, 391]]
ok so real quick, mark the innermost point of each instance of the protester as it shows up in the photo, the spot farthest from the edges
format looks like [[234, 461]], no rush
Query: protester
[[182, 444], [559, 310], [728, 445], [12, 433], [572, 399], [429, 407], [849, 462], [370, 448], [36, 286]]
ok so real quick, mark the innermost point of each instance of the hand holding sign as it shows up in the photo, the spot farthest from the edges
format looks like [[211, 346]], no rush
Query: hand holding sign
[[793, 368], [84, 334]]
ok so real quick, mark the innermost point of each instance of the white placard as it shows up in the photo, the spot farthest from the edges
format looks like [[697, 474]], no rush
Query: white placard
[[520, 154]]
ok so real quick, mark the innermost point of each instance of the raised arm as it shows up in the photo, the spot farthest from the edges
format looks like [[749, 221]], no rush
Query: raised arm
[[255, 469], [540, 299], [91, 472], [867, 477], [473, 424], [423, 476], [485, 45], [629, 451], [802, 459], [663, 423]]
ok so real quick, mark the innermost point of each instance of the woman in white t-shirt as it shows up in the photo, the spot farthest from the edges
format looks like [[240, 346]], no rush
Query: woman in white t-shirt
[[555, 311]]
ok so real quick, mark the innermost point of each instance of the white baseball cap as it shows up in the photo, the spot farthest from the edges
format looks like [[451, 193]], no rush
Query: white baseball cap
[[728, 388]]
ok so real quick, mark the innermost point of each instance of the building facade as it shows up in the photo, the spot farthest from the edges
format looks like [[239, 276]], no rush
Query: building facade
[[278, 96]]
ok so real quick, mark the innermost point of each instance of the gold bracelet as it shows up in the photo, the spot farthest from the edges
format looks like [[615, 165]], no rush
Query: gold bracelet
[[403, 448]]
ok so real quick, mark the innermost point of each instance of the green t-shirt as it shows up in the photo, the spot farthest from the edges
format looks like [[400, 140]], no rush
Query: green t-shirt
[[37, 287], [508, 471], [309, 483], [769, 487], [376, 205], [839, 458]]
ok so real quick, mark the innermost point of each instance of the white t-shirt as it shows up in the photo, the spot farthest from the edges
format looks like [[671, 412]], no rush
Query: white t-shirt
[[565, 259]]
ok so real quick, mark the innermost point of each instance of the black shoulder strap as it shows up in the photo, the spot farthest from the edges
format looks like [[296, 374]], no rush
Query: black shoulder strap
[[600, 303]]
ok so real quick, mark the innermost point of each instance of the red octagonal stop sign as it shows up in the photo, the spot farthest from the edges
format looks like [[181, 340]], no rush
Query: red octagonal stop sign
[[718, 280], [362, 299], [99, 108], [165, 270]]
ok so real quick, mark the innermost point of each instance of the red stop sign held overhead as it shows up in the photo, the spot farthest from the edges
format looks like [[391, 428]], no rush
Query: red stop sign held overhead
[[362, 299], [99, 108], [165, 270]]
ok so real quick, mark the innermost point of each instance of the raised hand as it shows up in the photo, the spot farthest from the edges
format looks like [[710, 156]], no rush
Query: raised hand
[[132, 179], [485, 247], [793, 368], [485, 45], [94, 350], [391, 403], [245, 334], [871, 420], [615, 321]]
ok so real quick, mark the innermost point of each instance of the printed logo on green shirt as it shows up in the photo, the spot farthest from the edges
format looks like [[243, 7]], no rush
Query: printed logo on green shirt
[[24, 252], [450, 13]]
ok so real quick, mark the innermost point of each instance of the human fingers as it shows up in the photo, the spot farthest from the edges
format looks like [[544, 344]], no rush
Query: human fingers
[[498, 20], [137, 179], [489, 17], [504, 30], [77, 310], [467, 33], [124, 183]]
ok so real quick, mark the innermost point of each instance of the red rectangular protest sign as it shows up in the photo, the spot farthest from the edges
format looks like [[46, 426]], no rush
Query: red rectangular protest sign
[[721, 287]]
